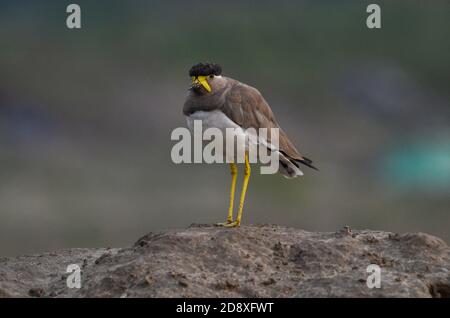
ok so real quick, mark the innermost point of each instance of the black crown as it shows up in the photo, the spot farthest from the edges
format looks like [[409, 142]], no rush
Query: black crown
[[206, 69]]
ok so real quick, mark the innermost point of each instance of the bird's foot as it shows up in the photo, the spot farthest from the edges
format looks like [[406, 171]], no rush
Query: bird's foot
[[223, 224], [229, 224]]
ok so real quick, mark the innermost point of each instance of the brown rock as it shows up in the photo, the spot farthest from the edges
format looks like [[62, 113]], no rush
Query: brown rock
[[251, 261]]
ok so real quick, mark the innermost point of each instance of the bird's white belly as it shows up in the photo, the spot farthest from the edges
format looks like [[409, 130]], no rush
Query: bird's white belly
[[217, 119], [211, 119]]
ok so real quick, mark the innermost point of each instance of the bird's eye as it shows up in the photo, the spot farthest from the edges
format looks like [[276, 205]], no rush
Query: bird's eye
[[211, 76]]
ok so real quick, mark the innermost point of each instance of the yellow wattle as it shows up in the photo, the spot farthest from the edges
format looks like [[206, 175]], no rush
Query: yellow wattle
[[202, 80]]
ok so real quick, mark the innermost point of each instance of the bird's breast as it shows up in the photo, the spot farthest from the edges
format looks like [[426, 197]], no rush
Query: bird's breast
[[217, 119], [211, 119]]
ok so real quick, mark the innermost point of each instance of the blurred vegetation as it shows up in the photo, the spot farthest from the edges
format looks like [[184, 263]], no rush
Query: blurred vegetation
[[86, 116]]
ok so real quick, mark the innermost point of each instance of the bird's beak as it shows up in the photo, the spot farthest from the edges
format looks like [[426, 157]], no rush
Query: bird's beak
[[201, 80]]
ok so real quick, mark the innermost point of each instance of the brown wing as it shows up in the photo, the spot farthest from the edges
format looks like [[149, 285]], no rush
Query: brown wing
[[246, 107]]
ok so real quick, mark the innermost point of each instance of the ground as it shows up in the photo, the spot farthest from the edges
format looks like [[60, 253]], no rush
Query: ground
[[250, 261]]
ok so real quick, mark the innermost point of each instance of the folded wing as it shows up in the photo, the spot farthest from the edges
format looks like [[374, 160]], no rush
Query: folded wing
[[246, 107]]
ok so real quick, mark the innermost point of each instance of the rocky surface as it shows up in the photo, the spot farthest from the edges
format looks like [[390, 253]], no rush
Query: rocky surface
[[251, 261]]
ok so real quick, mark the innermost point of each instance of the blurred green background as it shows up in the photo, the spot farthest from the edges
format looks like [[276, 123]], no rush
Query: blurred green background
[[86, 116]]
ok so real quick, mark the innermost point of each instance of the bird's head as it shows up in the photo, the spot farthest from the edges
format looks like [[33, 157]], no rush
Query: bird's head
[[205, 77]]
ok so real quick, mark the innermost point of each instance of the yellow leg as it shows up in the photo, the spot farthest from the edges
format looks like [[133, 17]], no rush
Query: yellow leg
[[244, 190], [237, 222], [234, 171]]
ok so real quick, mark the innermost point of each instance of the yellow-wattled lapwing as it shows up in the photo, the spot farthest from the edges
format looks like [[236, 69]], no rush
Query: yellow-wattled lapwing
[[223, 102]]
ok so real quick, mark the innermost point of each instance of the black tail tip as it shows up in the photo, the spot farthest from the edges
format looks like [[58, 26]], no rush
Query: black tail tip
[[308, 162]]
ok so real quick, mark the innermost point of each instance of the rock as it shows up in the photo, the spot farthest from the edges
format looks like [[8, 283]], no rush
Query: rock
[[251, 261]]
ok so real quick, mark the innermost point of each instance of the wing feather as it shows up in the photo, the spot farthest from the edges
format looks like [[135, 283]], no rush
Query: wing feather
[[247, 107]]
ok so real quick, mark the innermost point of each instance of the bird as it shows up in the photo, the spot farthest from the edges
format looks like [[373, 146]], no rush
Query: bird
[[222, 102]]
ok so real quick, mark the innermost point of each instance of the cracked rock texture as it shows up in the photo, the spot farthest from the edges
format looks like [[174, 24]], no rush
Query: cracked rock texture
[[251, 261]]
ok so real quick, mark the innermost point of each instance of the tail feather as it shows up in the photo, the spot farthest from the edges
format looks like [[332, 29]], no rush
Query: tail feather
[[288, 168], [307, 162]]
